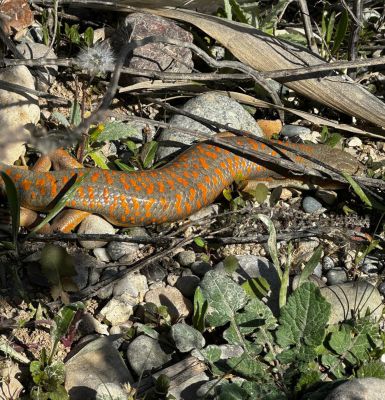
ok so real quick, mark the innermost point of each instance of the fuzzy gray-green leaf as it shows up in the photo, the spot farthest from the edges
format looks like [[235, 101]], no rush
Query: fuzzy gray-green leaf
[[186, 337], [224, 298]]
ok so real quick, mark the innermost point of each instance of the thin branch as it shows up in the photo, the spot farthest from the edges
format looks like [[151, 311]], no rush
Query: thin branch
[[311, 42]]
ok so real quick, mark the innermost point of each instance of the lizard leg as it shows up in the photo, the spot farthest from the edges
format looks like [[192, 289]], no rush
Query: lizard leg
[[68, 220]]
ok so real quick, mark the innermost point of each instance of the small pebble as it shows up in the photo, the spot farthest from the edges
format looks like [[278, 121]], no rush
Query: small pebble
[[154, 273], [311, 205], [318, 270], [294, 130], [355, 142], [186, 258], [200, 267], [367, 267], [117, 250], [101, 254], [336, 276], [327, 263]]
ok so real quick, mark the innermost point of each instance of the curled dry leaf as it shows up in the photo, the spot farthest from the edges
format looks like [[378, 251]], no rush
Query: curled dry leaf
[[267, 53], [15, 15]]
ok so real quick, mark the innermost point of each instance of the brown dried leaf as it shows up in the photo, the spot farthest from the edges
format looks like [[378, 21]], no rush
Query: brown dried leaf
[[15, 15], [266, 53]]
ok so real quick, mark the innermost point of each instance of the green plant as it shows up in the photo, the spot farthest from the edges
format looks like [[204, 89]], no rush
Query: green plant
[[286, 356], [48, 375]]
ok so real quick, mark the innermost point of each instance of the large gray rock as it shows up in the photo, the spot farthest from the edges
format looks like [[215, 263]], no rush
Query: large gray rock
[[212, 106], [145, 353], [96, 363], [352, 297], [359, 389]]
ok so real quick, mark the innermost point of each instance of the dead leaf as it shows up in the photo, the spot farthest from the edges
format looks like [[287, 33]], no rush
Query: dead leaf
[[15, 15], [267, 53]]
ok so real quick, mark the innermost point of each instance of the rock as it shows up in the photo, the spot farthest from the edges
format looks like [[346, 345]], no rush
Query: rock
[[188, 388], [251, 266], [154, 56], [213, 106], [98, 362], [311, 205], [95, 225], [351, 297], [32, 50], [89, 324], [294, 130], [145, 353], [200, 267], [18, 113], [327, 263], [354, 142], [187, 285], [368, 267], [178, 306], [111, 391], [186, 258], [172, 279], [154, 273], [336, 276], [359, 389], [118, 310], [101, 254], [117, 250], [134, 285], [329, 197]]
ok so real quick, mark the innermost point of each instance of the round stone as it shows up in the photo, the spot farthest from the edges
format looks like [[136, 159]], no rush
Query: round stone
[[311, 205]]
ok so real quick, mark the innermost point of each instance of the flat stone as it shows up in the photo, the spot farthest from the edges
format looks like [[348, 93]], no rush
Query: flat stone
[[186, 258], [145, 353], [335, 276], [118, 310], [212, 106], [117, 250], [294, 130], [187, 285], [97, 362], [95, 225], [132, 285], [178, 306], [359, 389], [111, 391], [350, 297], [311, 205]]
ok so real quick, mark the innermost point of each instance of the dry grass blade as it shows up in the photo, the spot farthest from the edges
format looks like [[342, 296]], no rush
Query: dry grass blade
[[266, 53]]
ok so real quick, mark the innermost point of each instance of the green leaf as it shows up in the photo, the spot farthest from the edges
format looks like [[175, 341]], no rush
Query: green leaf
[[199, 242], [123, 167], [200, 310], [304, 317], [63, 319], [89, 36], [147, 154], [99, 159], [57, 266], [249, 367], [14, 205], [259, 193], [61, 119], [340, 341], [117, 130], [224, 297], [75, 114], [186, 337], [256, 287], [272, 242], [230, 264], [232, 391], [330, 27], [310, 265], [341, 30], [263, 390], [61, 203], [357, 189], [211, 353], [373, 369]]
